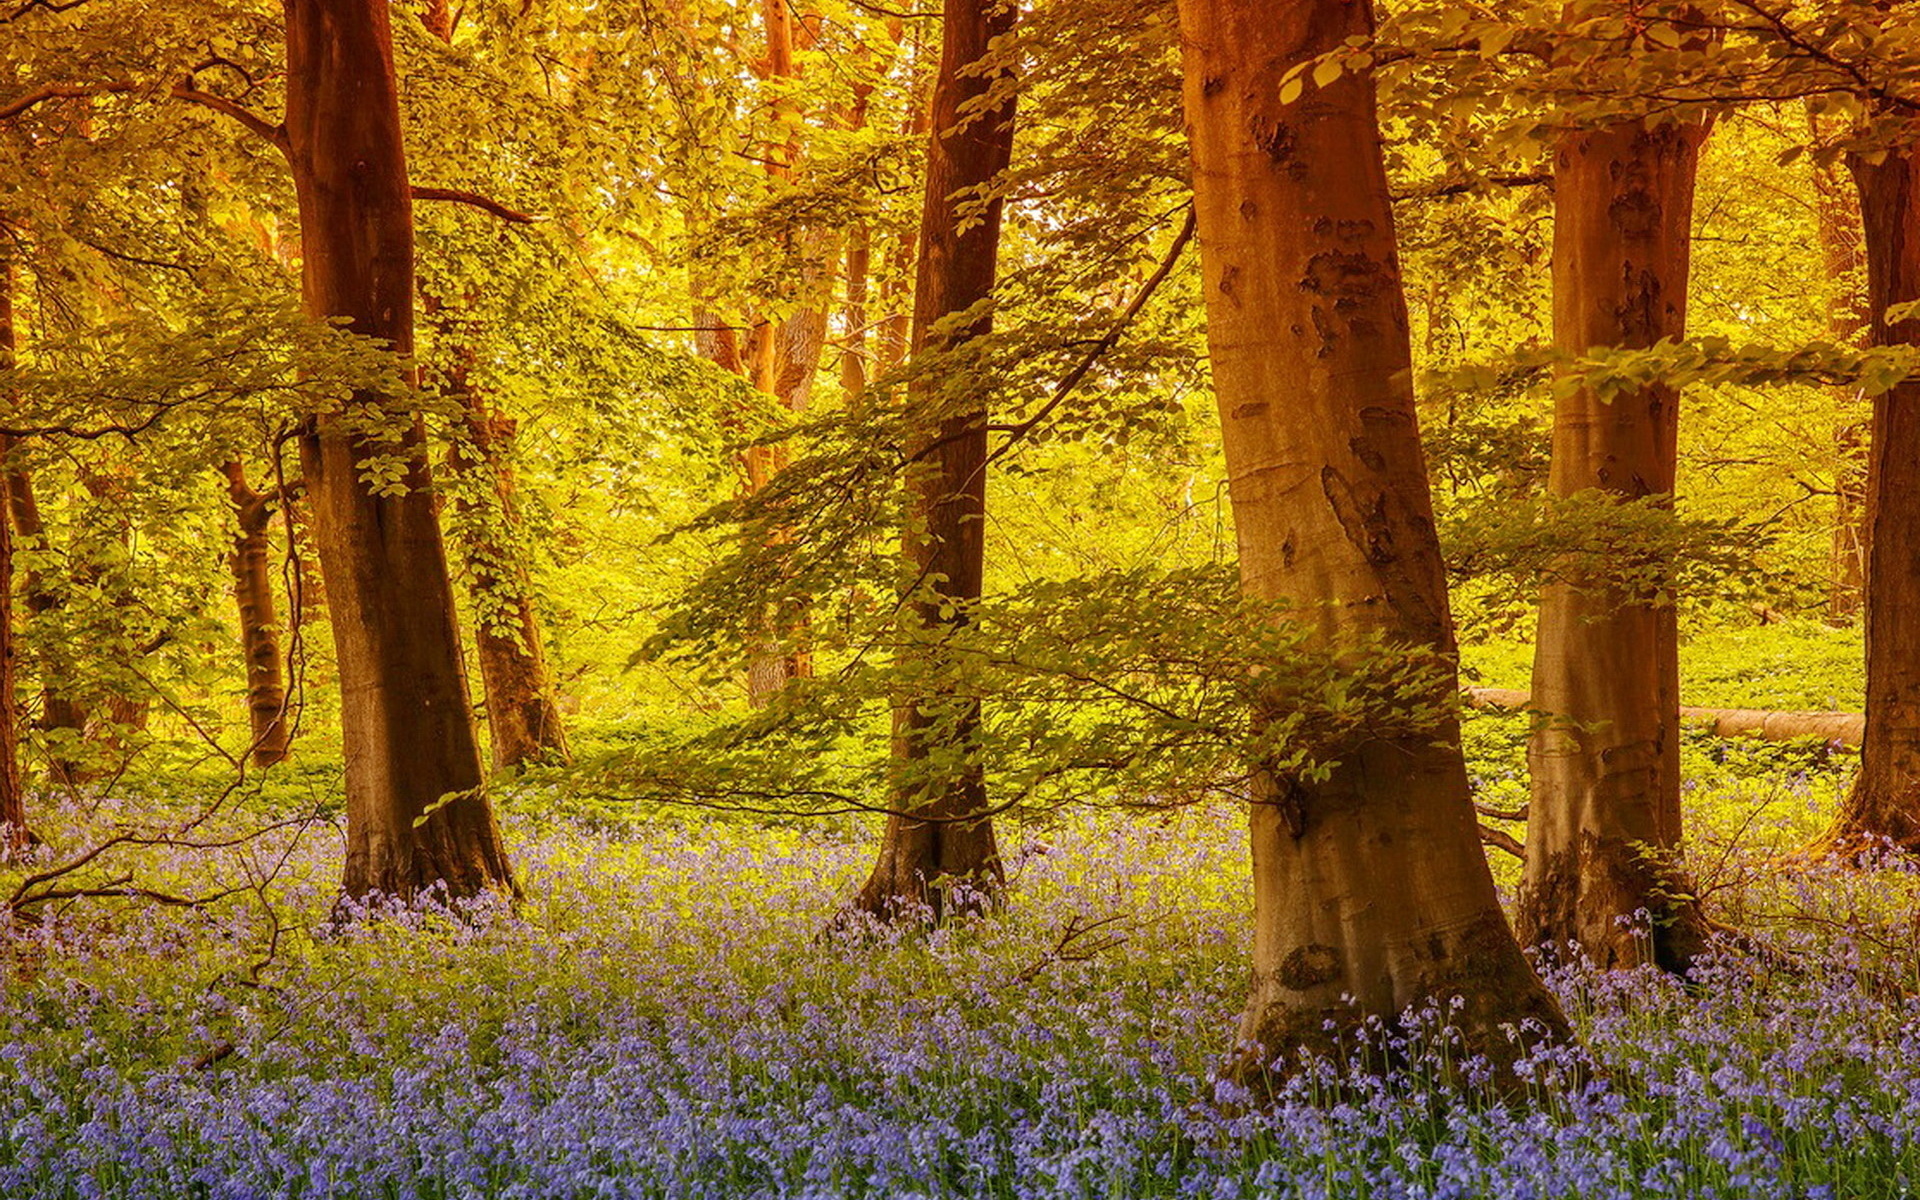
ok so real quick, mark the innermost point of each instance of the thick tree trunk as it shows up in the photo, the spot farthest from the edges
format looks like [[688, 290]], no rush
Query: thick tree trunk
[[1837, 210], [523, 710], [1885, 801], [948, 837], [406, 721], [13, 798], [251, 564], [1604, 827], [1371, 892]]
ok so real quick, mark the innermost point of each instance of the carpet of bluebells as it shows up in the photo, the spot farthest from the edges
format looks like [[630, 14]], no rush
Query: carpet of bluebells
[[674, 1011]]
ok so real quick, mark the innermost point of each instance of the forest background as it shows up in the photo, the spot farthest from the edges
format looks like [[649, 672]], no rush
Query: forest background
[[666, 265]]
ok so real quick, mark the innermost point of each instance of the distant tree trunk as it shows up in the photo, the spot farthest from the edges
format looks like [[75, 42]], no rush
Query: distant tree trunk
[[785, 357], [406, 721], [125, 711], [251, 564], [523, 710], [1371, 892], [853, 355], [1885, 800], [945, 541], [59, 709], [1837, 209], [13, 799], [1603, 831]]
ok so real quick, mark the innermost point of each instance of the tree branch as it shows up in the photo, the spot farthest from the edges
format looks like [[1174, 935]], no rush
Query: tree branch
[[483, 203], [1434, 189], [58, 91], [255, 123]]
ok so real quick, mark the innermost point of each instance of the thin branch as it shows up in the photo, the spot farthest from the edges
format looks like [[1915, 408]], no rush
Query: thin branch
[[1504, 841], [59, 91], [1434, 189], [474, 199], [1079, 372], [254, 122]]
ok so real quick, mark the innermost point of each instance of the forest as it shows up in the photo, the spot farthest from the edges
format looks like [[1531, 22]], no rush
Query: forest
[[1005, 598]]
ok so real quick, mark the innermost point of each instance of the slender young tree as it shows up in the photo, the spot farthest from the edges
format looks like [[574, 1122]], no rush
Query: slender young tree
[[1603, 831], [1884, 804], [1837, 215], [13, 801], [1371, 892], [251, 564], [416, 812], [948, 837]]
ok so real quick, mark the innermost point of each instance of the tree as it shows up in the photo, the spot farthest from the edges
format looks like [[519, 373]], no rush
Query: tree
[[1837, 213], [13, 804], [250, 562], [1884, 803], [417, 813], [1371, 892], [523, 711], [1604, 822], [948, 835]]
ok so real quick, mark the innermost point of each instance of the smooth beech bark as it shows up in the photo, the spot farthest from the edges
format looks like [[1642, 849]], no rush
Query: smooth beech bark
[[251, 565], [1371, 892], [1603, 831], [13, 797], [1884, 805], [948, 836], [407, 725]]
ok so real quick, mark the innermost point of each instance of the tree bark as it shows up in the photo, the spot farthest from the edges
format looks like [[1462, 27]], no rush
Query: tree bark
[[417, 815], [251, 565], [1837, 214], [1884, 804], [1604, 830], [14, 833], [944, 549], [1371, 891], [523, 710]]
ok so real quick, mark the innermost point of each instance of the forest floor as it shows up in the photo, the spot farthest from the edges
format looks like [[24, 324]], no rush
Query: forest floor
[[673, 1011]]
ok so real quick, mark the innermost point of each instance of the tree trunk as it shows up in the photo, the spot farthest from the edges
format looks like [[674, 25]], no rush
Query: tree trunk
[[1885, 801], [948, 837], [125, 712], [417, 815], [13, 801], [251, 564], [1371, 891], [60, 710], [1604, 826], [1837, 209], [523, 711]]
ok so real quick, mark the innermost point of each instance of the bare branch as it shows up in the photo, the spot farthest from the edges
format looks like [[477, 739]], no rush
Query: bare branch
[[483, 203], [1504, 841], [257, 124]]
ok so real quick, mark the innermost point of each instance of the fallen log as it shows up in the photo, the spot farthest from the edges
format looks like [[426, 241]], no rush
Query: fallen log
[[1840, 728]]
